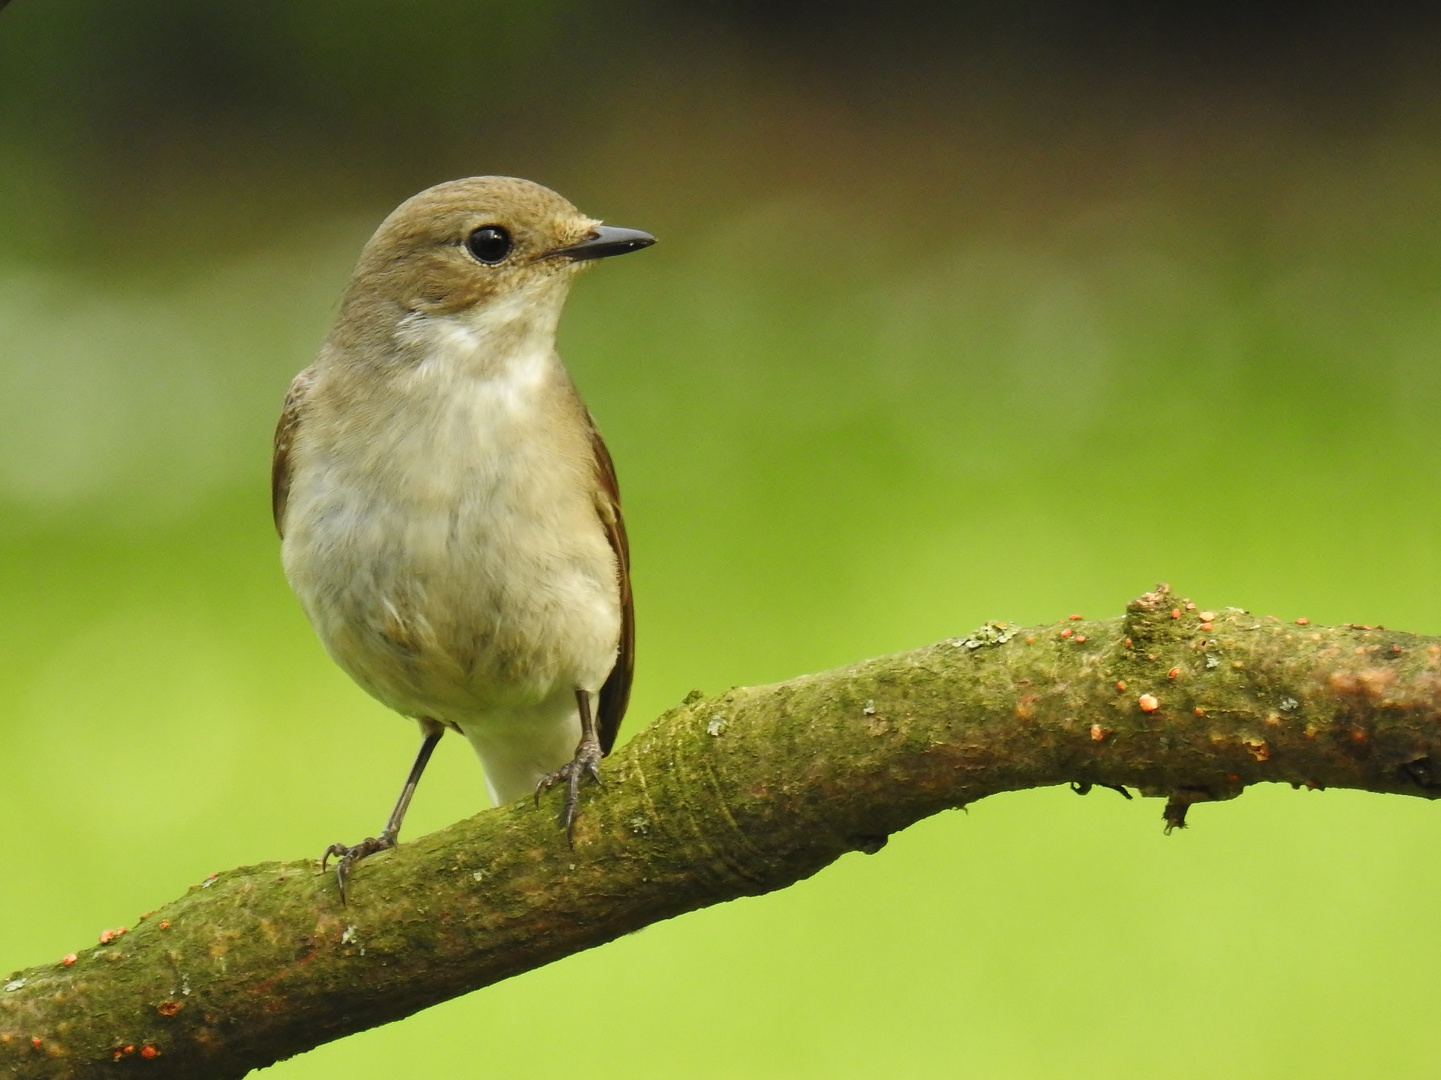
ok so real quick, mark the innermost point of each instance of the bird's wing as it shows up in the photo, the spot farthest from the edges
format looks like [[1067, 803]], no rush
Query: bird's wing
[[284, 439], [615, 694]]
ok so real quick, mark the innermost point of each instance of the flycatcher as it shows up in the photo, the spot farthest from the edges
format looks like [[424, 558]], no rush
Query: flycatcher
[[449, 514]]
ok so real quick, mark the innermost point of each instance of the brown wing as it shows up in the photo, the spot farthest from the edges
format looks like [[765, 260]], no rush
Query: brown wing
[[615, 694], [284, 440]]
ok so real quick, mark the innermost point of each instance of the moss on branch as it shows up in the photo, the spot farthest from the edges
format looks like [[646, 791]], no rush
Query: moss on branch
[[736, 794]]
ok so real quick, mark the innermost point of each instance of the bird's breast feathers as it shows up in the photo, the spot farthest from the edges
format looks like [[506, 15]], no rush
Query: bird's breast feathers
[[445, 542]]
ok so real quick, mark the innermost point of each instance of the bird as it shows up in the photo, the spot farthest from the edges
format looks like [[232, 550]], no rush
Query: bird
[[449, 515]]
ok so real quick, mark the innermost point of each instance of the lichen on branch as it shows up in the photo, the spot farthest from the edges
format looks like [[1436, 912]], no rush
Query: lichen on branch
[[737, 794]]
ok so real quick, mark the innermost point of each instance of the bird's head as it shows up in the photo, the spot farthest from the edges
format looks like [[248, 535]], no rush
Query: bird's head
[[496, 250]]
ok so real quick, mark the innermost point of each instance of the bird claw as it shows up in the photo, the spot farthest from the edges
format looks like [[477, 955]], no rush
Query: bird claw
[[585, 763], [346, 856]]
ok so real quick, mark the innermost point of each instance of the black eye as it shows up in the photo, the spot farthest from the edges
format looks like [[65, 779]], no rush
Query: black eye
[[489, 243]]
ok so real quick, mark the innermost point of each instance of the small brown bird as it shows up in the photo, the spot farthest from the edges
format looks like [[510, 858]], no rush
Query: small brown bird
[[449, 515]]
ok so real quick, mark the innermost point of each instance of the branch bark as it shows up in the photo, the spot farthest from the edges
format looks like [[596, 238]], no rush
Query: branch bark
[[733, 795]]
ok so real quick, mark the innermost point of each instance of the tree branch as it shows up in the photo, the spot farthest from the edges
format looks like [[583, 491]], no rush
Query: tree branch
[[736, 795]]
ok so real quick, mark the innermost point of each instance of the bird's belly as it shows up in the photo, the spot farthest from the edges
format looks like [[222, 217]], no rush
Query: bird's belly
[[452, 601]]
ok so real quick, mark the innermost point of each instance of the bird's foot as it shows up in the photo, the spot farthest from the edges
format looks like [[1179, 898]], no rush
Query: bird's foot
[[585, 763], [346, 856]]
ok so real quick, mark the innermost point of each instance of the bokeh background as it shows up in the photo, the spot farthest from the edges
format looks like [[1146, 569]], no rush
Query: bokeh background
[[960, 312]]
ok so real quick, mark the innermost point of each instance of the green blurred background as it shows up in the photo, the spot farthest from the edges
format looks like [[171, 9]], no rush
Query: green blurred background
[[960, 312]]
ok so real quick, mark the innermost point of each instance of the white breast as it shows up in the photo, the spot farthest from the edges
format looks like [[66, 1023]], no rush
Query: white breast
[[444, 540]]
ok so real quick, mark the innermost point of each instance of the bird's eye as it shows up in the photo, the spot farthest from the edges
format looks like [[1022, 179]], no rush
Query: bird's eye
[[490, 244]]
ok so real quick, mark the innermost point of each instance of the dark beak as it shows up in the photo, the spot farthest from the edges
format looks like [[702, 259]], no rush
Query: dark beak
[[603, 242]]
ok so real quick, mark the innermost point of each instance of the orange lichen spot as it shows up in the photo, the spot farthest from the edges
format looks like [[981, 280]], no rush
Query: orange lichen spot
[[1121, 684], [107, 936], [1395, 648], [1173, 673], [1175, 613], [169, 1008], [36, 1041], [1128, 643], [124, 1051], [1080, 637], [150, 1050], [1026, 706], [1207, 616], [1073, 618], [69, 959], [1199, 711], [147, 915], [1303, 621], [1259, 750], [1190, 606], [165, 924], [1098, 732], [1148, 703], [1358, 735], [1208, 626], [1312, 730], [1066, 632], [1031, 640]]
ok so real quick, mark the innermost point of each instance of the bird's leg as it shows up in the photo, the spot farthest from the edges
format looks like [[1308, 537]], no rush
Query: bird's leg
[[348, 855], [585, 763]]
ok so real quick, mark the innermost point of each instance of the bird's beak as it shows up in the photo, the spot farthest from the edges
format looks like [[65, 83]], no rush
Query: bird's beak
[[604, 241]]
